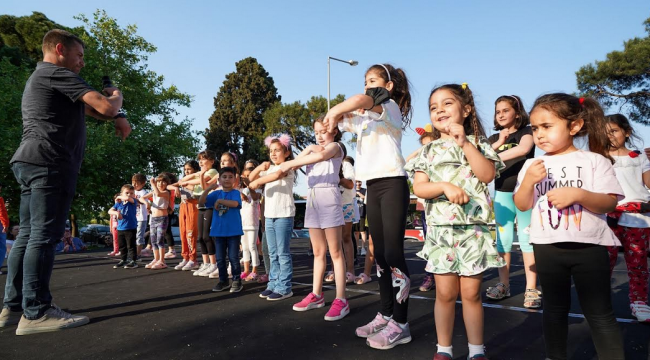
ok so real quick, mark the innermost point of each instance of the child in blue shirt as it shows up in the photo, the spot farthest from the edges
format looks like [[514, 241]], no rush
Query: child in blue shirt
[[125, 209], [226, 227]]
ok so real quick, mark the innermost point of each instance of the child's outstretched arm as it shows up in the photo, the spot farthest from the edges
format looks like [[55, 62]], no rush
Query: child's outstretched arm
[[310, 149], [207, 191], [254, 185], [425, 189], [520, 150], [143, 199], [329, 152], [228, 203], [356, 102], [255, 174], [112, 211]]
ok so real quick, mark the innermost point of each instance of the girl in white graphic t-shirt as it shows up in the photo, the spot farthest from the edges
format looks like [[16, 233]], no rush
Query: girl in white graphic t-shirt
[[570, 191]]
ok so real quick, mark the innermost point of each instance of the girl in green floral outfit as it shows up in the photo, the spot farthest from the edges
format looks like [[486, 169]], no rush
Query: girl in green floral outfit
[[452, 174]]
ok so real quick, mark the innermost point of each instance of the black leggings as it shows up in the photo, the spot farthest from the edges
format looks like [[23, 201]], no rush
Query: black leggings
[[388, 201], [205, 220], [168, 233], [588, 265]]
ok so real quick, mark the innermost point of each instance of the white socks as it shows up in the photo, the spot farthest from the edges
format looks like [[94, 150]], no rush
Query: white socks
[[475, 349], [445, 349]]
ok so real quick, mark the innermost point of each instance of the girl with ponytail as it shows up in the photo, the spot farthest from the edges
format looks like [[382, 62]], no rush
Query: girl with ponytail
[[569, 191], [452, 174]]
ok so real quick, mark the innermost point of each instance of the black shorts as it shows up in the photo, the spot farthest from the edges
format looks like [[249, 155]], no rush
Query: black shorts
[[361, 225]]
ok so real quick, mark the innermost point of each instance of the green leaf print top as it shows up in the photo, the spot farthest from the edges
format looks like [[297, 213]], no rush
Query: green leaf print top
[[444, 160]]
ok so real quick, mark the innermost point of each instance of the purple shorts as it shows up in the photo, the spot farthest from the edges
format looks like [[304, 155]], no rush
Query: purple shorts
[[323, 208]]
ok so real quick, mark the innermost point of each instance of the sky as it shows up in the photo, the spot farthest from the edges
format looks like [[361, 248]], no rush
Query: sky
[[497, 47]]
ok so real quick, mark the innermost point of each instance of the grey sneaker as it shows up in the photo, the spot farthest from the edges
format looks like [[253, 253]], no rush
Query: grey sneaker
[[8, 317], [373, 327], [390, 336], [54, 319], [236, 286]]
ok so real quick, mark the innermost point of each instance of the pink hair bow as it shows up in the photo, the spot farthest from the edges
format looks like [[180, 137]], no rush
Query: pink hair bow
[[284, 139]]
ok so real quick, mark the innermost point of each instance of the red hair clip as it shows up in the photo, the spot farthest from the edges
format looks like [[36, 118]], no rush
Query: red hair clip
[[582, 101]]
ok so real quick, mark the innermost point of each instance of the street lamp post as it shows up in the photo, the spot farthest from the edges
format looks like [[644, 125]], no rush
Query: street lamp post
[[350, 62]]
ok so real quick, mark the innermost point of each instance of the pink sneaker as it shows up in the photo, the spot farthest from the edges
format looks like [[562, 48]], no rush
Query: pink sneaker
[[372, 327], [251, 277], [262, 279], [311, 301], [151, 264], [243, 275], [390, 336], [338, 310]]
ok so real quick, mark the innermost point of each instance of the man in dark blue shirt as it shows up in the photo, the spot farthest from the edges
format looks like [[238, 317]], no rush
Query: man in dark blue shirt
[[46, 166]]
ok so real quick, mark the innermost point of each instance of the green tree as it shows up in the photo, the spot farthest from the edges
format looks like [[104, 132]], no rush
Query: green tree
[[237, 123], [158, 141], [622, 79]]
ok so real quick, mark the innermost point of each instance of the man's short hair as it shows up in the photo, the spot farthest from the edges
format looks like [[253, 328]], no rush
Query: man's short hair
[[58, 36]]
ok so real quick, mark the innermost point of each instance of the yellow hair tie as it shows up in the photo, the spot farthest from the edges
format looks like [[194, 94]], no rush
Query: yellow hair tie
[[464, 86]]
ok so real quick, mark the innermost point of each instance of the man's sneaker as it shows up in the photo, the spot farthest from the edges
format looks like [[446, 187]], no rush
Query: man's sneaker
[[54, 319], [373, 327], [264, 294], [275, 296], [641, 311], [311, 301], [131, 265], [221, 286], [8, 317], [180, 265], [390, 336], [427, 283], [119, 264], [236, 286], [338, 310], [191, 265]]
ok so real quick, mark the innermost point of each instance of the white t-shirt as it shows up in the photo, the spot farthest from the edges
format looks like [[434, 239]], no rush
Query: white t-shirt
[[278, 195], [347, 195], [379, 142], [250, 211], [141, 212], [629, 172], [579, 169]]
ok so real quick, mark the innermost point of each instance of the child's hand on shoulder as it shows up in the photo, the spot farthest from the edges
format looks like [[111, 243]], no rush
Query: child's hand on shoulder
[[457, 131], [455, 194], [562, 198], [536, 172]]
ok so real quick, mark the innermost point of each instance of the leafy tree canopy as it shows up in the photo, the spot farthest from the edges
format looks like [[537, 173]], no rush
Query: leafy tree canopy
[[622, 79]]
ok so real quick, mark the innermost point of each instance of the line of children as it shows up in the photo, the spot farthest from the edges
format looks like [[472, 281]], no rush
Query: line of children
[[323, 217], [142, 214], [250, 214]]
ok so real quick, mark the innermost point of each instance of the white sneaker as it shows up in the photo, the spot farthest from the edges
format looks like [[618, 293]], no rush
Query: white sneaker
[[229, 271], [54, 319], [208, 270], [641, 311], [214, 274], [200, 270], [181, 265], [191, 265]]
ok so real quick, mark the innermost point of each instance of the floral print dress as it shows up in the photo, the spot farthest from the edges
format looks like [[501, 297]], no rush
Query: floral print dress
[[458, 239]]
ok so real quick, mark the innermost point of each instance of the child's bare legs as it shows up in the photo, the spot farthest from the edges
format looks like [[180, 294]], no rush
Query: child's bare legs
[[530, 270], [321, 240], [470, 287], [348, 248], [206, 259], [213, 259], [370, 257], [161, 254], [447, 290], [247, 266], [319, 246]]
